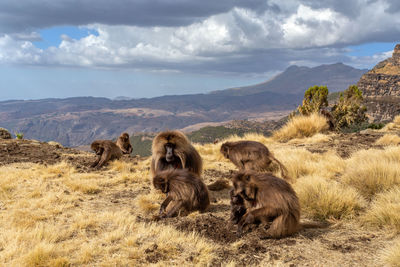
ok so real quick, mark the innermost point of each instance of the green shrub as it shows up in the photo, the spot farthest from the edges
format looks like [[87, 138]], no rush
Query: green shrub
[[315, 98], [19, 135], [349, 109]]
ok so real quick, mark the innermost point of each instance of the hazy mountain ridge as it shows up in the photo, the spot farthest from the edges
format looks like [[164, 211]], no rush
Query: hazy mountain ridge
[[296, 79], [79, 120]]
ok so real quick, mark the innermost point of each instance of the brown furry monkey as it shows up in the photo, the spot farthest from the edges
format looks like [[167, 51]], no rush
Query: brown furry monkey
[[184, 189], [238, 208], [105, 150], [251, 155], [124, 143], [269, 200], [172, 149]]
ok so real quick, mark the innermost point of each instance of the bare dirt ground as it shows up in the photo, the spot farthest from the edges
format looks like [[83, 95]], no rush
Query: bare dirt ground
[[340, 244]]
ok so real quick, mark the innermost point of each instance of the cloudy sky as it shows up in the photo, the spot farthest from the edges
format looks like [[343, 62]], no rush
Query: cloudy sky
[[145, 48]]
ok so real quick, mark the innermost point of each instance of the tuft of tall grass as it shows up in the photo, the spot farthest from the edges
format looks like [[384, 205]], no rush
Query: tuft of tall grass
[[373, 171], [388, 139], [384, 210], [392, 126], [301, 162], [391, 254], [301, 127], [323, 199]]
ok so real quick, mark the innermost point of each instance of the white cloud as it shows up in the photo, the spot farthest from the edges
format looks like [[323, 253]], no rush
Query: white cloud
[[290, 32]]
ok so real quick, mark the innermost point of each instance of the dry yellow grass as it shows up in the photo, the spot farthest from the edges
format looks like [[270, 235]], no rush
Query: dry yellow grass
[[50, 222], [385, 210], [392, 126], [56, 216], [388, 140], [373, 171], [325, 199], [301, 127], [391, 254]]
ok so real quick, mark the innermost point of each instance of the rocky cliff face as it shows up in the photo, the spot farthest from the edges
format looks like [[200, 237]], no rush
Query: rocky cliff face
[[381, 88]]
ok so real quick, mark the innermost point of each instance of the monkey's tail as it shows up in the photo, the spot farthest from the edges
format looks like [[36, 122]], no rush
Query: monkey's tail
[[284, 170]]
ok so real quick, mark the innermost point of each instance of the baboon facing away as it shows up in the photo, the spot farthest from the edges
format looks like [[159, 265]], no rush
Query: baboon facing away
[[105, 150], [268, 199], [251, 155], [124, 143], [184, 190], [172, 149]]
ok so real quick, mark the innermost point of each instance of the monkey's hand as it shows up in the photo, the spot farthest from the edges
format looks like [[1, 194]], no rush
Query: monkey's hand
[[159, 216]]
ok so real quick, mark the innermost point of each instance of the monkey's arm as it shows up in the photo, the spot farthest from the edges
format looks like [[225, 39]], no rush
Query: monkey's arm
[[165, 204], [104, 158], [96, 162], [262, 214], [176, 206]]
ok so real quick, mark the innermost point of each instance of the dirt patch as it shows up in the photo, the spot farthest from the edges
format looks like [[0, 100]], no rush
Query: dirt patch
[[17, 151], [345, 144], [208, 225]]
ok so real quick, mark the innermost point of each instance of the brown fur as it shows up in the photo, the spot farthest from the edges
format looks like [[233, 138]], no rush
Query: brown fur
[[269, 200], [238, 208], [186, 156], [105, 150], [184, 190], [124, 143], [251, 155]]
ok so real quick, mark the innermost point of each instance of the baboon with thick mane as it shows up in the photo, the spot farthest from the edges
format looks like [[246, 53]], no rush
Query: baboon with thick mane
[[251, 155], [172, 149], [105, 150], [269, 200], [124, 143], [184, 190]]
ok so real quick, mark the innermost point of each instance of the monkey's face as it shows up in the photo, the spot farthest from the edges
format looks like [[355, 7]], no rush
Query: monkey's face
[[97, 148], [244, 188], [125, 137], [169, 152], [161, 183], [225, 150]]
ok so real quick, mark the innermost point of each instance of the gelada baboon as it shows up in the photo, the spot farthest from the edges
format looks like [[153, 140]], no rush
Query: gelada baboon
[[269, 200], [124, 143], [105, 150], [251, 155], [172, 149], [238, 208], [184, 190]]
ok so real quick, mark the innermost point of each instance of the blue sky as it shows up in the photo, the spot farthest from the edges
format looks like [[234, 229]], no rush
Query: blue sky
[[150, 48]]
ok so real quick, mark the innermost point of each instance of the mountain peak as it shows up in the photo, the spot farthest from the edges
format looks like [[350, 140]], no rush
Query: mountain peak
[[296, 79]]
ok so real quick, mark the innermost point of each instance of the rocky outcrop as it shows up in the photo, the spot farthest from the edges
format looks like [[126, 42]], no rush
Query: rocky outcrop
[[381, 88], [4, 134]]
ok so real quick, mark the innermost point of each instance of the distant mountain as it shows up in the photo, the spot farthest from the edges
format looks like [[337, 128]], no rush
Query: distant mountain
[[78, 121], [295, 80]]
